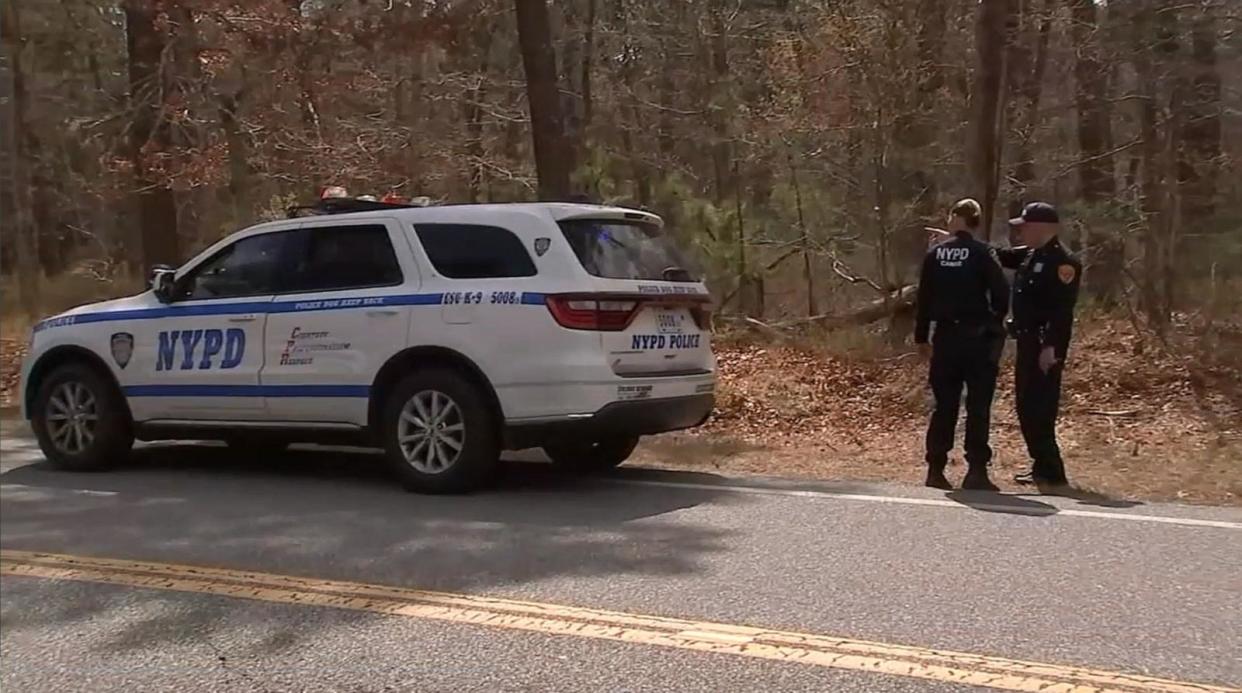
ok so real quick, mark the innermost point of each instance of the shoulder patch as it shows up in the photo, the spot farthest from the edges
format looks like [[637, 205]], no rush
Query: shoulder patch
[[1066, 273]]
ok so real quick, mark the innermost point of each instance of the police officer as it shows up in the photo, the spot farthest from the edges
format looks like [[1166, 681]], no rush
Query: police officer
[[1045, 289], [963, 291]]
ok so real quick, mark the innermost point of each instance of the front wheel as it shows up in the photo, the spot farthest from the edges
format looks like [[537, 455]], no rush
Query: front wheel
[[591, 456], [440, 435], [80, 420]]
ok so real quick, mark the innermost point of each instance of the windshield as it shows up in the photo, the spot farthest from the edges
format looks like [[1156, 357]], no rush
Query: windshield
[[622, 250]]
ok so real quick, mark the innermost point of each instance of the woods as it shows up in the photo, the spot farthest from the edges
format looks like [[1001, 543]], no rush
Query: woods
[[799, 145]]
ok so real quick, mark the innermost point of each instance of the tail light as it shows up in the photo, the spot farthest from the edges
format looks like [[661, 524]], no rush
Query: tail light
[[605, 315]]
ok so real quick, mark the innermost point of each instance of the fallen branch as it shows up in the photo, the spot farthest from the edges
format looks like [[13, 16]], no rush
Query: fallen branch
[[876, 310], [754, 324], [1118, 412], [763, 328], [839, 268]]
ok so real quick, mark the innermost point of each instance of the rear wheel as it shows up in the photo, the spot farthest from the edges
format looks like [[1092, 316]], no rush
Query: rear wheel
[[440, 435], [80, 420], [591, 456]]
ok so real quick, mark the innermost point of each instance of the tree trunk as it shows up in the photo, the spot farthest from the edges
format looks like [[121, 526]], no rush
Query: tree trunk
[[1143, 36], [25, 266], [993, 18], [476, 150], [239, 186], [721, 104], [565, 23], [914, 132], [1030, 85], [149, 135], [184, 83], [303, 55], [1096, 178], [588, 58], [1199, 167], [808, 274], [542, 92]]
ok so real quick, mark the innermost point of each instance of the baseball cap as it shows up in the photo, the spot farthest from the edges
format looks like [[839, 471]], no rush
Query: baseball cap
[[1037, 212]]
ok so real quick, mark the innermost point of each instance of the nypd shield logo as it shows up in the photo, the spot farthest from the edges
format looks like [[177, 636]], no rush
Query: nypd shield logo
[[542, 245], [122, 348]]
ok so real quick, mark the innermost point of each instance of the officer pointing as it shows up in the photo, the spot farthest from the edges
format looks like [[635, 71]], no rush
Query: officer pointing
[[1045, 290], [963, 291]]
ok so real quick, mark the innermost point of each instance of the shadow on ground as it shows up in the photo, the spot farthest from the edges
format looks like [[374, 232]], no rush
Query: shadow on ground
[[1001, 503], [340, 515]]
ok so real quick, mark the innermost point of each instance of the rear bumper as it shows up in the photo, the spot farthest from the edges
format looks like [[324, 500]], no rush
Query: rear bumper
[[617, 419]]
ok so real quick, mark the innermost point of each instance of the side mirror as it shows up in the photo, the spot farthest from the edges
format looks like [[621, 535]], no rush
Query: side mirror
[[162, 281]]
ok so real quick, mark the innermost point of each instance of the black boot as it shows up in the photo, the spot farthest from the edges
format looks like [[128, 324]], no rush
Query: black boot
[[936, 478], [977, 479]]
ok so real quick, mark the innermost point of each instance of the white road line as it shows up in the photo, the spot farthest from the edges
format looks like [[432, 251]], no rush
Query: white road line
[[1034, 510], [1014, 509], [46, 492]]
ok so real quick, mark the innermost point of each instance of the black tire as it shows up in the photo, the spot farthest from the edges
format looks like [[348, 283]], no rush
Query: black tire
[[477, 458], [112, 432], [591, 456]]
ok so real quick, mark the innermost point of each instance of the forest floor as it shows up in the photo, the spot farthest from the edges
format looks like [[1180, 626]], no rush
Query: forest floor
[[1140, 420]]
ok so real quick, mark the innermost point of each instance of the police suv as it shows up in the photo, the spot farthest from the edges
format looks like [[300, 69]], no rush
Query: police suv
[[442, 334]]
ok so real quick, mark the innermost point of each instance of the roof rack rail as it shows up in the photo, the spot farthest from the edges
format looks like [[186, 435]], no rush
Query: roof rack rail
[[345, 205]]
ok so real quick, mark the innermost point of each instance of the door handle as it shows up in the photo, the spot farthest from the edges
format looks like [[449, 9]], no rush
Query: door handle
[[382, 312], [243, 318]]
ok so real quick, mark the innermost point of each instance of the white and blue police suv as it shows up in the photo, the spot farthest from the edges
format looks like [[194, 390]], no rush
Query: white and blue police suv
[[442, 334]]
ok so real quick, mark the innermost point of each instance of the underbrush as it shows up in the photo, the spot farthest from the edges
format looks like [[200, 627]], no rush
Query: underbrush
[[1141, 415]]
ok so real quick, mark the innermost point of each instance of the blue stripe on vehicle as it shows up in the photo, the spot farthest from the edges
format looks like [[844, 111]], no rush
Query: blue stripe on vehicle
[[533, 299], [306, 305], [247, 390]]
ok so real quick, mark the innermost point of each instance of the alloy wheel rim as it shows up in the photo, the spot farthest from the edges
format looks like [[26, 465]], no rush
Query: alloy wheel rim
[[72, 417], [431, 432]]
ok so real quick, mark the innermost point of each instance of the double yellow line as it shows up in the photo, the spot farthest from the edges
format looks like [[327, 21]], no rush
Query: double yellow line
[[698, 636]]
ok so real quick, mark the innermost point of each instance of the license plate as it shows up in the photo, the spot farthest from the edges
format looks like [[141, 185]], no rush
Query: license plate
[[669, 322]]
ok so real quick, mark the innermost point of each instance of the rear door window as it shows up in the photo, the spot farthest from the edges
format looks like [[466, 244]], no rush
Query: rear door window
[[614, 249], [335, 258], [470, 251]]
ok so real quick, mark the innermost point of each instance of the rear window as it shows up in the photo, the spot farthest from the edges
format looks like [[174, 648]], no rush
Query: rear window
[[620, 250], [468, 251]]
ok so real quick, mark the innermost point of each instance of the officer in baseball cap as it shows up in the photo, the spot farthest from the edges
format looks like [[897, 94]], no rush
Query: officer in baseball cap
[[1045, 289]]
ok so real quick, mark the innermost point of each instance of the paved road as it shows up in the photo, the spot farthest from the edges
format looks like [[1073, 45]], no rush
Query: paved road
[[1148, 589]]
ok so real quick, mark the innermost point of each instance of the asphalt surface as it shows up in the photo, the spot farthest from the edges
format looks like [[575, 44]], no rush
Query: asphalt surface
[[1140, 589]]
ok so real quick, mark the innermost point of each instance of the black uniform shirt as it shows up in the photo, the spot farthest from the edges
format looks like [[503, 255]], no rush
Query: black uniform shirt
[[961, 283], [1045, 290]]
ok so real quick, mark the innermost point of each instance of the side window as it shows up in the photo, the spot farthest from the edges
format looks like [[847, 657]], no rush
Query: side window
[[333, 258], [245, 268], [468, 251]]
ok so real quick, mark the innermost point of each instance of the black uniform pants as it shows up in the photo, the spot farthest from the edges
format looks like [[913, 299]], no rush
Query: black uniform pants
[[962, 356], [1038, 396]]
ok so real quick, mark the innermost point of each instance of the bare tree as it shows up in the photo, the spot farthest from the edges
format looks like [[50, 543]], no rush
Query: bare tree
[[1200, 160], [150, 137], [991, 33], [1095, 171], [543, 95], [17, 143]]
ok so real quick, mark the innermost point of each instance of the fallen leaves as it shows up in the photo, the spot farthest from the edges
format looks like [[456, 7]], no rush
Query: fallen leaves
[[11, 353]]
